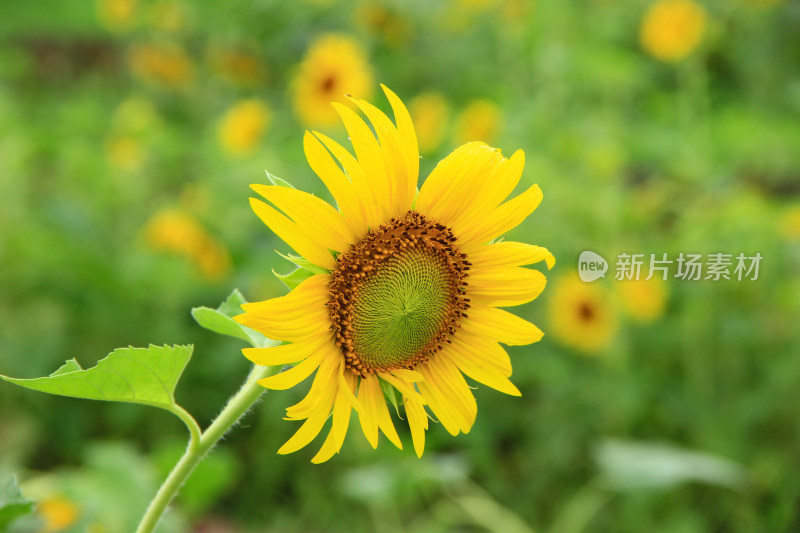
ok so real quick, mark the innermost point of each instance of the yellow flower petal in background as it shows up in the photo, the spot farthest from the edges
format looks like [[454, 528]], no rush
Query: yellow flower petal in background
[[176, 231], [164, 64], [431, 115], [789, 223], [671, 29], [57, 513], [334, 66], [481, 120], [242, 127], [117, 15], [642, 300], [582, 315]]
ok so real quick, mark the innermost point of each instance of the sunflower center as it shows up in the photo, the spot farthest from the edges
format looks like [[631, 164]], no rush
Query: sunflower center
[[586, 312], [397, 296]]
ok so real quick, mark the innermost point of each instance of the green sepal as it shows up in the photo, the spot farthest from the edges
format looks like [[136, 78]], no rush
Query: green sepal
[[294, 278], [12, 503], [275, 180], [145, 376], [220, 320], [302, 262], [390, 393]]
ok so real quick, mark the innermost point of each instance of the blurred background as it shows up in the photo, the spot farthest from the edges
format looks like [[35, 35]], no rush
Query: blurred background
[[130, 130]]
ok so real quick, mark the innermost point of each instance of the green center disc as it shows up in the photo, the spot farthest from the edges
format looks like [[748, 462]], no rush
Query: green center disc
[[401, 308]]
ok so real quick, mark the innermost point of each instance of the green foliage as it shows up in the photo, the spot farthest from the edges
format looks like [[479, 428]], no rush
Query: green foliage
[[145, 376], [294, 278], [219, 320], [12, 503]]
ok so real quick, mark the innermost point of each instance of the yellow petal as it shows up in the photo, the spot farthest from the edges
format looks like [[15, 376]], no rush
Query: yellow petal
[[483, 352], [440, 196], [417, 423], [486, 192], [363, 187], [406, 389], [509, 254], [340, 187], [294, 375], [324, 380], [369, 410], [368, 152], [482, 374], [500, 325], [292, 235], [313, 291], [439, 403], [322, 223], [450, 381], [400, 193], [385, 420], [507, 216], [407, 375], [285, 354], [408, 137], [505, 287], [311, 427]]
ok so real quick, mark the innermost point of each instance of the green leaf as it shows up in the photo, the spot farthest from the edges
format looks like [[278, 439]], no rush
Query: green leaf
[[631, 465], [275, 180], [145, 376], [220, 321], [71, 365], [302, 262], [390, 393], [294, 278], [12, 503]]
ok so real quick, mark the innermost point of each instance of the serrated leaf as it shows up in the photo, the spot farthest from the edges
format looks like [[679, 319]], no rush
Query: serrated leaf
[[71, 365], [12, 503], [220, 321], [145, 376], [302, 262], [275, 180], [294, 278]]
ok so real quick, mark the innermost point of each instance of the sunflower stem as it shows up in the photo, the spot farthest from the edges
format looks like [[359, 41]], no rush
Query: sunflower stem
[[200, 444]]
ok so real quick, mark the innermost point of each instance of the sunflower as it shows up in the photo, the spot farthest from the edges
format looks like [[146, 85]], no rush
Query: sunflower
[[335, 65], [403, 300], [671, 29], [582, 315], [243, 126], [643, 299]]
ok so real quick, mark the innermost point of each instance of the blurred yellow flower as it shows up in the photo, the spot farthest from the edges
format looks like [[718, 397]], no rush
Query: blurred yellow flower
[[125, 153], [582, 315], [789, 223], [481, 119], [168, 15], [162, 64], [643, 300], [671, 29], [238, 67], [57, 513], [384, 22], [242, 126], [431, 114], [135, 115], [176, 231], [117, 15], [334, 66]]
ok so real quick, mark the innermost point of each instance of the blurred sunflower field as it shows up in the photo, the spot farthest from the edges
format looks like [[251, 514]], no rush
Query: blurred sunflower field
[[130, 131]]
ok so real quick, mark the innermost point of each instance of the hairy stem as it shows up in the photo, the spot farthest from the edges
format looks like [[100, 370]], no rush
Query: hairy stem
[[200, 444]]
